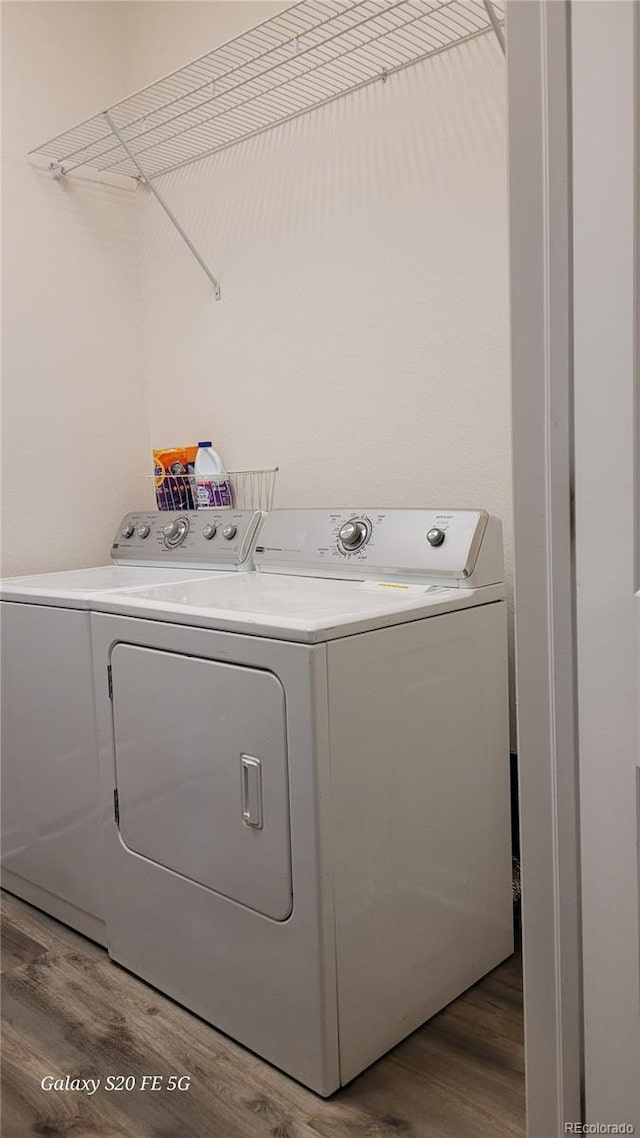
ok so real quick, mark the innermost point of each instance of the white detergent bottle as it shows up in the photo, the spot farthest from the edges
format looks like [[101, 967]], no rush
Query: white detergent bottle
[[213, 489]]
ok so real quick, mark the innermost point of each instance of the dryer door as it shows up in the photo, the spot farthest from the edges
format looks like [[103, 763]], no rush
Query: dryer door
[[201, 768]]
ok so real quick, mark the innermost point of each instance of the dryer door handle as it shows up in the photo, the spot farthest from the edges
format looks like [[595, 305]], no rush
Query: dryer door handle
[[251, 782]]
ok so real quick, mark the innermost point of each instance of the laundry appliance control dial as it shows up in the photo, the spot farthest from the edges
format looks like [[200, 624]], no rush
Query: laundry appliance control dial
[[435, 536], [144, 530], [209, 531], [352, 535], [127, 530], [229, 532], [175, 532]]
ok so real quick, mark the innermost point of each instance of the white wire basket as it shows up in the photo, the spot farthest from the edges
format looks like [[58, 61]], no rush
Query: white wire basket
[[250, 490]]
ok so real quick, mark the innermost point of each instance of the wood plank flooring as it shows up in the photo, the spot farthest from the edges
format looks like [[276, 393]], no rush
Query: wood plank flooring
[[68, 1010]]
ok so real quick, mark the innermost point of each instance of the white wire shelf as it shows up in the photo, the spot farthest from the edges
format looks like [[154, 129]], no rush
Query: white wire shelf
[[308, 55], [250, 489]]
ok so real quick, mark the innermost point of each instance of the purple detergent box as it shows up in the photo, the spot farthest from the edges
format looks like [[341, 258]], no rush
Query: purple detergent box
[[211, 493]]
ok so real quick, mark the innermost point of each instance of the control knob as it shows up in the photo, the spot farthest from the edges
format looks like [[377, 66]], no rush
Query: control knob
[[127, 530], [229, 532], [175, 532], [352, 535], [435, 536], [144, 530], [209, 532]]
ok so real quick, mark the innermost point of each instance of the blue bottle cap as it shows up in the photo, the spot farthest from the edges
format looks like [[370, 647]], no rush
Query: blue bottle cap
[[203, 446]]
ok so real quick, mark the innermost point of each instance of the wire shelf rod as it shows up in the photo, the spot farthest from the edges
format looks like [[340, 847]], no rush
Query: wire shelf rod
[[170, 214], [496, 25]]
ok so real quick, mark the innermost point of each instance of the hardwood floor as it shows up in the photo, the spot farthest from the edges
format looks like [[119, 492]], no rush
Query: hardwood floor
[[68, 1010]]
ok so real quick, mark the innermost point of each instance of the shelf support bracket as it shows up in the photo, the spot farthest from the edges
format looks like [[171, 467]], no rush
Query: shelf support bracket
[[495, 24], [169, 212]]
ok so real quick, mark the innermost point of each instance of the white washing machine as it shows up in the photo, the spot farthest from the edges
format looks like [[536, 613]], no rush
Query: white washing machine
[[305, 780], [50, 801]]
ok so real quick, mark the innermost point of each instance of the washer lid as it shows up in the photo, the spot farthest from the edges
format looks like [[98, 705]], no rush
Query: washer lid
[[305, 609], [74, 588]]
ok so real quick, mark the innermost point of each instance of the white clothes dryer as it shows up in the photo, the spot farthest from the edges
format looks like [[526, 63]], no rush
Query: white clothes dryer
[[305, 779], [50, 802]]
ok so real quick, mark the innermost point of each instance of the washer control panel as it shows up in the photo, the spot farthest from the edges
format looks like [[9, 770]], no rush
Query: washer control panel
[[191, 538], [421, 545]]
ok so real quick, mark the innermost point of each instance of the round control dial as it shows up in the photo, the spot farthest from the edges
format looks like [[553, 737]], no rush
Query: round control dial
[[127, 531], [175, 532], [435, 536], [352, 535], [209, 532], [229, 532], [144, 530]]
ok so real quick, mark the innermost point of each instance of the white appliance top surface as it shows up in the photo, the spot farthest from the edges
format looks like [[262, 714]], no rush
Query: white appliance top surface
[[74, 588], [291, 608]]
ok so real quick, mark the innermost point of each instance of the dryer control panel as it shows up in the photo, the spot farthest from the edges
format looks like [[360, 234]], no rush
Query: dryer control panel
[[454, 547], [200, 539]]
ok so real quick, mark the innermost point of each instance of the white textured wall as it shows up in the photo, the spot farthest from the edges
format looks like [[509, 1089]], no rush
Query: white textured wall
[[362, 339], [75, 434]]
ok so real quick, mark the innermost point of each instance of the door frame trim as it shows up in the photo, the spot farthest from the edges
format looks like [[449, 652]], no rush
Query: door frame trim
[[604, 104], [540, 184]]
